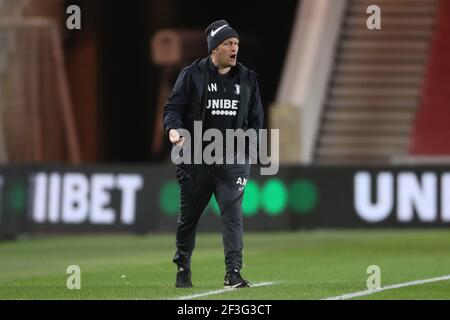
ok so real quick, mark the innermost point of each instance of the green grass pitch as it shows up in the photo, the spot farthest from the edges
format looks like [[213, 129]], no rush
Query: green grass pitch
[[305, 265]]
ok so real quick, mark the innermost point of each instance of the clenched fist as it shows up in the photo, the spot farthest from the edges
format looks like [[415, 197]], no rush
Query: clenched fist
[[175, 138]]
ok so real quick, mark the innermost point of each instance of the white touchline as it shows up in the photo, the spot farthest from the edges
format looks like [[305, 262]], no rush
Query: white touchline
[[209, 293], [393, 286]]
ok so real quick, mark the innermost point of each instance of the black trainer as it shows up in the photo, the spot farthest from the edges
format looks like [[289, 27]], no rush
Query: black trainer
[[234, 280], [183, 278]]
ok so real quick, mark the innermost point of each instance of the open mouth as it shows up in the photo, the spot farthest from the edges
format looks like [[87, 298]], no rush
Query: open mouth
[[233, 56]]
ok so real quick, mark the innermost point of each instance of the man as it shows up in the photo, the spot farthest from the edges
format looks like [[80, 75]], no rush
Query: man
[[222, 94]]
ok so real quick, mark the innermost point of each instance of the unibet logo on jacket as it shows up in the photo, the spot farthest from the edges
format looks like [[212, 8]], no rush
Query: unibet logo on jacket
[[223, 96]]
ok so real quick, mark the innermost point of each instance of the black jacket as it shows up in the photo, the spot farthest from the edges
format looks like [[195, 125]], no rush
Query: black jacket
[[187, 102]]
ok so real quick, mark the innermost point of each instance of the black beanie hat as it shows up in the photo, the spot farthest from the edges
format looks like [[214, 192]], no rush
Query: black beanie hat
[[217, 32]]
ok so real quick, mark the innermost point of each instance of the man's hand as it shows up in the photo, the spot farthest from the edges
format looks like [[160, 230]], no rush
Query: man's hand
[[175, 137]]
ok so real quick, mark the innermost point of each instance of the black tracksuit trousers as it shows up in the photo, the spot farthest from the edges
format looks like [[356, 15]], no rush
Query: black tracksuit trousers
[[197, 184]]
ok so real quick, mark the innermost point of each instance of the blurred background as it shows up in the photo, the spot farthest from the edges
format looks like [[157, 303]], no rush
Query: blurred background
[[82, 110], [108, 85]]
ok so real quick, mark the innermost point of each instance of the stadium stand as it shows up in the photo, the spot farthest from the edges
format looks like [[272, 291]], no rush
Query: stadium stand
[[375, 87], [36, 120]]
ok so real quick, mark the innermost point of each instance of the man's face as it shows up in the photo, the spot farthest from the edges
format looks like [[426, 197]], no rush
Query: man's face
[[226, 53]]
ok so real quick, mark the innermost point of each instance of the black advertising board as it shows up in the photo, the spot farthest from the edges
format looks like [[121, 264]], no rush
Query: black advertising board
[[145, 198]]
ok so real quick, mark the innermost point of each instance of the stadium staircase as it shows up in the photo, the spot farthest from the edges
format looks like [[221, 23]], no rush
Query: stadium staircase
[[375, 86]]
